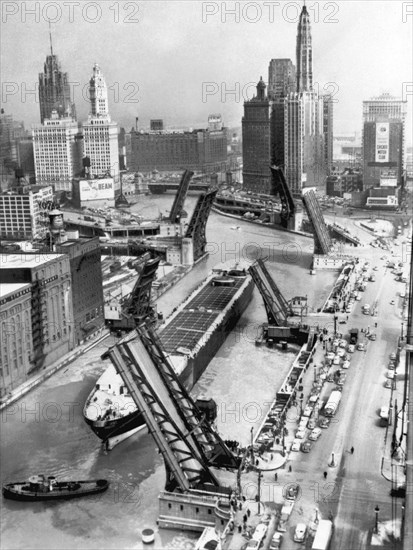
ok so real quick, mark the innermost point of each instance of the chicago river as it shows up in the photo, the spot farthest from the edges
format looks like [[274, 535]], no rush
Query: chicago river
[[45, 432]]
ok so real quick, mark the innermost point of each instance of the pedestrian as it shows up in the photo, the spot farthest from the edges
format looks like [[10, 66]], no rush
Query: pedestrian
[[347, 317], [248, 512], [240, 506], [352, 450], [290, 468], [275, 476], [244, 518], [325, 475]]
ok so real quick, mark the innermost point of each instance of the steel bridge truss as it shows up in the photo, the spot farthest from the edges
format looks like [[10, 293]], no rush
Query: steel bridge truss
[[322, 239], [186, 441], [288, 207], [276, 305], [197, 224], [138, 305], [176, 211]]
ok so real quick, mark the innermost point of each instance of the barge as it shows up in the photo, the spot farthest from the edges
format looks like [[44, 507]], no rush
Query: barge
[[191, 336]]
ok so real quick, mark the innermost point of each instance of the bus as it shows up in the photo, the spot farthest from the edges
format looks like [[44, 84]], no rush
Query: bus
[[332, 404], [323, 535]]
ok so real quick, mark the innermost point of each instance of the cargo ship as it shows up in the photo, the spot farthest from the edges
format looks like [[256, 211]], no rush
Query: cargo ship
[[191, 336]]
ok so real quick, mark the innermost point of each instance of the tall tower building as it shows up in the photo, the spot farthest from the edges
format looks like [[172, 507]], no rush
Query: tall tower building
[[256, 142], [281, 82], [57, 151], [304, 53], [384, 120], [54, 90], [100, 133]]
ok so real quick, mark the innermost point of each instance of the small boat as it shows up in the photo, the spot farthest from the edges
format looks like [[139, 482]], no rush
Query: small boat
[[39, 487]]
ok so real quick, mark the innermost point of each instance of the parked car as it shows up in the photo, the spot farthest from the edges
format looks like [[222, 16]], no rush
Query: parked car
[[388, 384], [351, 348], [392, 365], [336, 342], [341, 380], [390, 374], [341, 352], [306, 447], [330, 355], [296, 445], [324, 423], [308, 410], [311, 424], [315, 434], [276, 541], [345, 365], [300, 531], [343, 344], [393, 356], [336, 360], [361, 346]]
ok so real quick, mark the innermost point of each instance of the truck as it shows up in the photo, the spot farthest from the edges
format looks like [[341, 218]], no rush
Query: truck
[[332, 404], [354, 335], [323, 535]]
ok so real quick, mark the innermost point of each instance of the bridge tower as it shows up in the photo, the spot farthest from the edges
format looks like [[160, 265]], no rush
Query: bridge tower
[[197, 224]]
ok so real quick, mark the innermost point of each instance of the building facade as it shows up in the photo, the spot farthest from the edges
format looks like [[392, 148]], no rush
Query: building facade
[[54, 91], [199, 150], [100, 133], [384, 120], [15, 335], [87, 285], [51, 302], [57, 150], [256, 142], [24, 212], [281, 78]]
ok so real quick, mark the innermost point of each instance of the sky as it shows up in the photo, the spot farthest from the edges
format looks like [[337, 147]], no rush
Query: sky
[[181, 61]]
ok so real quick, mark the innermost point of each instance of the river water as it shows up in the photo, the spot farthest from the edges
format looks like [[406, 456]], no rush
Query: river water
[[45, 431]]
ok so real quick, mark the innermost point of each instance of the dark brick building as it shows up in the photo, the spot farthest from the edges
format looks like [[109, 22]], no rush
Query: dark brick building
[[87, 287]]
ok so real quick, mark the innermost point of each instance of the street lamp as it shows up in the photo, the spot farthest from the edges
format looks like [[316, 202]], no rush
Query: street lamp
[[252, 445], [376, 527]]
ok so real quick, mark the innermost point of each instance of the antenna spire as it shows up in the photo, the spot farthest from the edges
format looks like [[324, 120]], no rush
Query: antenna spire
[[50, 37]]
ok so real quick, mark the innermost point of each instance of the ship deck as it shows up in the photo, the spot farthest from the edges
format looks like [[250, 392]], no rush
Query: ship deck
[[194, 320]]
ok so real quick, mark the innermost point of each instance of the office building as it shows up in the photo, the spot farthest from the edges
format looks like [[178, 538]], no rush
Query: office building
[[100, 133], [384, 119], [57, 150], [256, 142], [51, 302], [87, 286], [15, 334], [54, 90], [281, 78], [24, 212], [203, 150]]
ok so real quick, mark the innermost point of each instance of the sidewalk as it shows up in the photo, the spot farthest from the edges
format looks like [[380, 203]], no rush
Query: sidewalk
[[46, 372]]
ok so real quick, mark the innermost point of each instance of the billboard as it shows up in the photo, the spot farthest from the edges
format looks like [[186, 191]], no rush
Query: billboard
[[382, 141], [388, 178], [97, 189]]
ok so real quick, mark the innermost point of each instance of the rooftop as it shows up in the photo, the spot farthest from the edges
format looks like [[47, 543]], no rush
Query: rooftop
[[18, 261], [7, 289]]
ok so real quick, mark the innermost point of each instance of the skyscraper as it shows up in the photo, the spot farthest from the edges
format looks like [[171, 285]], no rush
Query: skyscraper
[[100, 133], [384, 119], [281, 78], [54, 90], [57, 150], [256, 142], [304, 53]]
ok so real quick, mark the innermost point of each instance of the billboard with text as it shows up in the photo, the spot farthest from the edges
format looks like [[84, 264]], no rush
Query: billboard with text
[[96, 189], [382, 141]]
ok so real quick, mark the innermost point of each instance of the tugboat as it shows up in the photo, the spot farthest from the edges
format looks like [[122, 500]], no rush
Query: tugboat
[[39, 487]]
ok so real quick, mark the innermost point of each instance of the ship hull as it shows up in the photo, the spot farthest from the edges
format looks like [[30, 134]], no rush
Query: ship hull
[[111, 431], [61, 491]]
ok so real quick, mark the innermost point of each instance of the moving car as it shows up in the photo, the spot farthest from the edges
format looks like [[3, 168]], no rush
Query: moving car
[[351, 348], [336, 360], [361, 346], [306, 447], [300, 531], [330, 355], [311, 424], [373, 336], [343, 344], [392, 303], [324, 423], [315, 434], [345, 365], [308, 410], [341, 352]]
